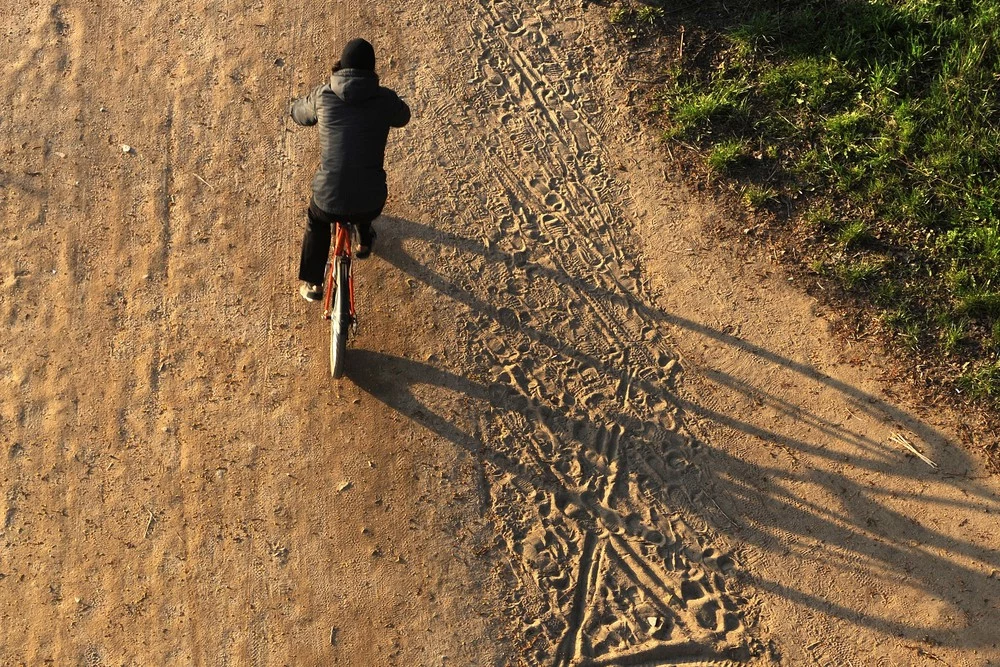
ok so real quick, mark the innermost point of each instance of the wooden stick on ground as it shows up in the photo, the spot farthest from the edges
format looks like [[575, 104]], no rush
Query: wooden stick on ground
[[149, 525], [900, 439]]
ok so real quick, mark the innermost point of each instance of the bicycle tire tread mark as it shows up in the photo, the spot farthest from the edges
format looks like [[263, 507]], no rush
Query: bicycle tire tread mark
[[593, 476], [583, 590]]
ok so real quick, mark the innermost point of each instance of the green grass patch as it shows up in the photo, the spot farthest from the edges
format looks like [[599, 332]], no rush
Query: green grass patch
[[885, 116], [820, 218], [985, 304], [757, 196], [697, 114], [756, 32], [983, 382], [621, 14], [853, 234], [860, 273], [648, 14], [952, 335], [726, 156], [633, 16]]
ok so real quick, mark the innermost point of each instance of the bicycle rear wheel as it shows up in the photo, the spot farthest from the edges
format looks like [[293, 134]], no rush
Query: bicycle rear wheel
[[340, 321]]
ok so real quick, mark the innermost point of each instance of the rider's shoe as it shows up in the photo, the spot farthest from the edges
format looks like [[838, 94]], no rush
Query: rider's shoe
[[365, 245], [311, 292]]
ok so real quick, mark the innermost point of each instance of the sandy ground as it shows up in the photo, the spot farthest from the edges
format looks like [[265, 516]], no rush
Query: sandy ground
[[575, 428]]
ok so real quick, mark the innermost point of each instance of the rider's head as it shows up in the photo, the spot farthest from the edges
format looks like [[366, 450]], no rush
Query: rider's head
[[358, 54]]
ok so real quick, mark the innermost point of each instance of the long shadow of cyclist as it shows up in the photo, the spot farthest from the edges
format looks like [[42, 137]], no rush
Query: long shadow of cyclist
[[737, 484]]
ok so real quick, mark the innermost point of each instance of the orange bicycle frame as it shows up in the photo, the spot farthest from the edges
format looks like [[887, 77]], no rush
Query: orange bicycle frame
[[341, 248]]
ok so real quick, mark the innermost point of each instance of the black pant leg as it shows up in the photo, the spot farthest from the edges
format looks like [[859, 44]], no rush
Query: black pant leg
[[363, 221], [365, 232], [315, 246]]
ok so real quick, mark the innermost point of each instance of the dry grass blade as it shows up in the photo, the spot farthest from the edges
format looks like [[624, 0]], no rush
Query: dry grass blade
[[900, 439], [149, 525]]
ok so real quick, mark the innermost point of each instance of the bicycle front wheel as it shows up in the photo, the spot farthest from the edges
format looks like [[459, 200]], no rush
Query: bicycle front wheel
[[340, 322]]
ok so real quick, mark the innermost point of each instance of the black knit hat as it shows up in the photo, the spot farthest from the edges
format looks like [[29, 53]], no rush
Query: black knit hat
[[358, 54]]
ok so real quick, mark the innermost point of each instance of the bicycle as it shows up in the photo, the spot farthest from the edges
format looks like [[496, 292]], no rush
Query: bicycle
[[338, 296]]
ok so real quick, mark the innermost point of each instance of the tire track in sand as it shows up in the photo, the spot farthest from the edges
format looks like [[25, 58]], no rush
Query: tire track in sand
[[593, 476]]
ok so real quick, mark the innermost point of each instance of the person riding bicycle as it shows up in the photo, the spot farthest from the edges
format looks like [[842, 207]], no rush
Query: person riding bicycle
[[354, 114]]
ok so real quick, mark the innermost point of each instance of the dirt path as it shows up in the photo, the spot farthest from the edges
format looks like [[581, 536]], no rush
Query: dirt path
[[575, 431], [173, 447]]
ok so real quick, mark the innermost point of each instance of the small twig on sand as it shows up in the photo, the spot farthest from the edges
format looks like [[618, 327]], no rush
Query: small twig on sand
[[149, 524], [924, 653], [901, 440], [204, 181], [724, 513]]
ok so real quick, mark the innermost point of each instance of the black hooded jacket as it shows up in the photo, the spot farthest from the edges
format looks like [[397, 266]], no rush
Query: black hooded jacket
[[354, 115]]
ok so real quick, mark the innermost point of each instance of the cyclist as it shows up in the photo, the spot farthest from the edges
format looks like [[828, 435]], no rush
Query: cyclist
[[354, 114]]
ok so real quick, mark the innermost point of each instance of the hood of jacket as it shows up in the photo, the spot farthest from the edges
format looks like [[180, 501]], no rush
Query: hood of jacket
[[354, 85]]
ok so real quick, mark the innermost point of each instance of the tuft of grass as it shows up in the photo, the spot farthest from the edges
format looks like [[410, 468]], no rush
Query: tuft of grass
[[986, 304], [905, 324], [859, 273], [756, 196], [982, 382], [698, 114], [952, 336], [848, 128], [621, 14], [648, 14], [725, 157], [820, 218], [760, 29], [630, 16], [853, 234]]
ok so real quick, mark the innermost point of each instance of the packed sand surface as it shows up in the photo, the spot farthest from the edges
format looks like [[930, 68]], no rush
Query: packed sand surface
[[576, 428]]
